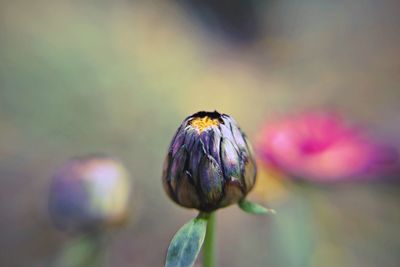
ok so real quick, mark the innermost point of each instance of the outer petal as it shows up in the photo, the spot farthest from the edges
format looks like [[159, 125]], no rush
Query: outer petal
[[211, 180], [233, 193], [166, 176], [249, 147], [249, 173], [166, 165], [190, 138], [239, 137], [226, 131], [211, 140], [250, 170], [230, 161], [177, 142], [196, 154], [177, 168], [186, 193]]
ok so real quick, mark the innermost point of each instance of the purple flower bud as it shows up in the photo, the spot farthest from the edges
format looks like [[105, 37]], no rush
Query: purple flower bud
[[88, 193], [209, 164]]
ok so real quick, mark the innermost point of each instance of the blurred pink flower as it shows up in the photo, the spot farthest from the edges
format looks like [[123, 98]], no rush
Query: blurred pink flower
[[321, 146]]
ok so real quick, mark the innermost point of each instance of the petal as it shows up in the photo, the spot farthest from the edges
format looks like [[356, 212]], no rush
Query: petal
[[233, 193], [249, 147], [177, 142], [211, 141], [239, 138], [168, 189], [196, 154], [226, 131], [238, 135], [177, 167], [166, 176], [250, 170], [211, 180], [186, 193], [249, 173], [166, 165], [190, 138], [230, 161]]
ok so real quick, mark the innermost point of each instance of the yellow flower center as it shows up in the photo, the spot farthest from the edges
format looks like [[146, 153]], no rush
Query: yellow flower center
[[203, 123]]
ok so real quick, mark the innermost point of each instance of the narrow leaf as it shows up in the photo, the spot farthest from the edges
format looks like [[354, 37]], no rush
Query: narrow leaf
[[254, 208], [186, 244]]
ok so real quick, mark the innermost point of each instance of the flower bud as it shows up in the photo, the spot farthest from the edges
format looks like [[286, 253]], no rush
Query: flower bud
[[209, 163], [89, 193]]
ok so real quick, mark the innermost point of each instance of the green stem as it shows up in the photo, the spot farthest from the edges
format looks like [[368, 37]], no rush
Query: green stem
[[84, 251], [209, 255]]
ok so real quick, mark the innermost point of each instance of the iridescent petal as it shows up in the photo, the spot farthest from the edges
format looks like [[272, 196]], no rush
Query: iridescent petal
[[226, 131], [166, 164], [177, 167], [249, 173], [239, 138], [230, 161], [211, 180], [249, 147], [211, 140], [186, 193], [190, 138], [233, 193], [196, 154], [178, 142]]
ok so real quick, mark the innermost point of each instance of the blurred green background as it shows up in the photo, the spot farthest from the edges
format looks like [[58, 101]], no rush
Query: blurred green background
[[119, 76]]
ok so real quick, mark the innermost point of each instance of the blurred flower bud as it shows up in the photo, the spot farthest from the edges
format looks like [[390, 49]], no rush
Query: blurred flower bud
[[89, 193], [209, 164]]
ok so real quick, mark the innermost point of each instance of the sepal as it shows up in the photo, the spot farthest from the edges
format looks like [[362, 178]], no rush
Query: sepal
[[254, 208]]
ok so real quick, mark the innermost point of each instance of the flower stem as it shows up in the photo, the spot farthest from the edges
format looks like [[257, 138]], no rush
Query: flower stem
[[209, 255], [86, 250]]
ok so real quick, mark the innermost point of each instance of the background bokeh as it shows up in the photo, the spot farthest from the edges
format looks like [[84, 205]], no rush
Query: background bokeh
[[78, 77]]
